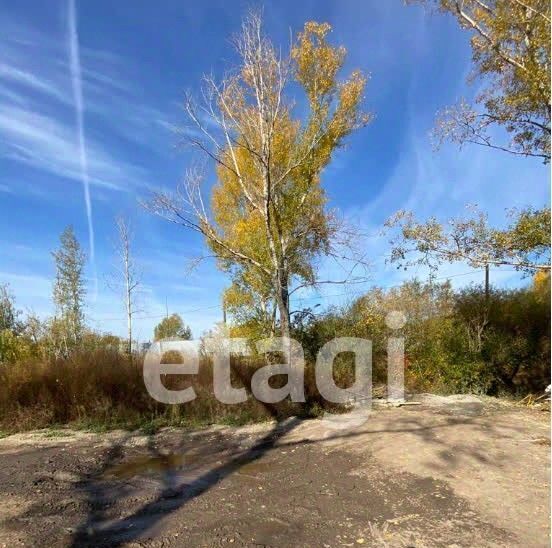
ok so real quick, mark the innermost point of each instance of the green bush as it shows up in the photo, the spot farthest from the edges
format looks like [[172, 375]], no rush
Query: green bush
[[13, 348], [455, 342]]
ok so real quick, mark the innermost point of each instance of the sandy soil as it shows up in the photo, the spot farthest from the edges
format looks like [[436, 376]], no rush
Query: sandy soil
[[457, 471]]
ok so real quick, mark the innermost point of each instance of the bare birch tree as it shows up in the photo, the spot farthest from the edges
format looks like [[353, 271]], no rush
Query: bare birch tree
[[126, 279]]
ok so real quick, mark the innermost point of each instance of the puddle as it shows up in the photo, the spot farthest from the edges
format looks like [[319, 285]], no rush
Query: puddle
[[149, 464], [174, 462], [254, 468]]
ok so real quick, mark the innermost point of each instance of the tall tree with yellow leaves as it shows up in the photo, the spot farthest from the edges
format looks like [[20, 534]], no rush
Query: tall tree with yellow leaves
[[268, 220]]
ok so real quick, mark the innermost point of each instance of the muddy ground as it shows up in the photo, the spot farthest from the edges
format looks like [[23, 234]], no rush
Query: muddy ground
[[455, 471]]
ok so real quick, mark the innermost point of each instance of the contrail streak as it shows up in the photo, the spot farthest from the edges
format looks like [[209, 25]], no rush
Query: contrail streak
[[76, 79]]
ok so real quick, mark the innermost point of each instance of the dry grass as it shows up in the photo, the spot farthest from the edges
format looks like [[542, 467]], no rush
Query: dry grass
[[104, 389]]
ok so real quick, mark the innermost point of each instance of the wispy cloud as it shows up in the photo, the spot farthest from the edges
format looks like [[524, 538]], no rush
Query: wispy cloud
[[76, 80], [23, 78], [6, 189], [48, 144], [38, 72]]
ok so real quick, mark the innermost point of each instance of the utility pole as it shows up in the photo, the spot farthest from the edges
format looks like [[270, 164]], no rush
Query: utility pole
[[487, 287], [223, 311]]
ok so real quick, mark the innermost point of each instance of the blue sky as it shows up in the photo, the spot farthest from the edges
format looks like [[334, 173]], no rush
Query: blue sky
[[132, 63]]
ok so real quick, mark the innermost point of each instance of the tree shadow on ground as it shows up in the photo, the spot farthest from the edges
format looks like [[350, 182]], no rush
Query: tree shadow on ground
[[97, 532], [174, 494], [99, 528]]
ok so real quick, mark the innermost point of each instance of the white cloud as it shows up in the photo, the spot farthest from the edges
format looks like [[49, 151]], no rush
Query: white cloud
[[36, 126], [76, 80], [46, 143], [23, 78], [6, 189]]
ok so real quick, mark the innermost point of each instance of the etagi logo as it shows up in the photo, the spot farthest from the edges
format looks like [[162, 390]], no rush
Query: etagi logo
[[220, 350]]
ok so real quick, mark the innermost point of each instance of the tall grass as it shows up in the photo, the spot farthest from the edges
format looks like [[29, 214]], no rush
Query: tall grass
[[105, 389]]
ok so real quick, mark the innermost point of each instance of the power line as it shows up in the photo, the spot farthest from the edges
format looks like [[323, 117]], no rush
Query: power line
[[312, 297], [156, 316], [360, 291]]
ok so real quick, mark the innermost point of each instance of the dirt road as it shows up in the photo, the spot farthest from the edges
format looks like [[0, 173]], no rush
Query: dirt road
[[449, 472]]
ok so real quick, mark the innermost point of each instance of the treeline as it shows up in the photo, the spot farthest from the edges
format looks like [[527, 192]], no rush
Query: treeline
[[469, 340], [66, 331], [59, 336], [495, 343]]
